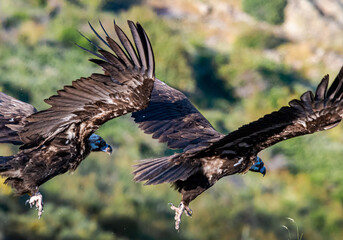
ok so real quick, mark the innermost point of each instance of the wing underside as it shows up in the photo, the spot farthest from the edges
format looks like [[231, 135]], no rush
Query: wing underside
[[313, 112], [170, 117]]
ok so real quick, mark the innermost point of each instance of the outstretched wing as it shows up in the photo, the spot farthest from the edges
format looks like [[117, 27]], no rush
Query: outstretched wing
[[172, 118], [312, 113], [12, 118], [89, 102]]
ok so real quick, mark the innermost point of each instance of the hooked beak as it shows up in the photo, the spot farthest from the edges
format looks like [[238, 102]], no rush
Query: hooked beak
[[263, 170], [108, 150]]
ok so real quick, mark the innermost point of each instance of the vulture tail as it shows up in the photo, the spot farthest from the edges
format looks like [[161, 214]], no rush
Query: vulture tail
[[164, 169], [12, 118], [14, 177]]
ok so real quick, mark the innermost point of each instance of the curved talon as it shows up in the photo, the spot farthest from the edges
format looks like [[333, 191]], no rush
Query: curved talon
[[36, 200], [178, 213], [188, 211]]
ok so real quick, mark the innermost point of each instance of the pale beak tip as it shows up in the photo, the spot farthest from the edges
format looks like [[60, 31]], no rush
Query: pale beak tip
[[109, 150]]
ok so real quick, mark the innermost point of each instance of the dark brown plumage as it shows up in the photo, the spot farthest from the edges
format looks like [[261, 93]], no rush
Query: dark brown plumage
[[12, 115], [56, 140], [209, 155]]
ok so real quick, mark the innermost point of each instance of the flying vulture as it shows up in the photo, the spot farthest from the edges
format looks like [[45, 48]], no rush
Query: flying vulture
[[208, 155], [56, 140]]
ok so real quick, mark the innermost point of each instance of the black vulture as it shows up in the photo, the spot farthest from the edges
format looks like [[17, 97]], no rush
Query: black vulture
[[56, 140], [208, 155]]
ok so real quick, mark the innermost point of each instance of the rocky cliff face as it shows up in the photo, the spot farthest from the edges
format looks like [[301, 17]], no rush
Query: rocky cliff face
[[319, 21], [314, 28]]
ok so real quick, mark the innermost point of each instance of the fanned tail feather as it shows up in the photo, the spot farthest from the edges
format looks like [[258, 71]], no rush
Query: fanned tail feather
[[160, 170]]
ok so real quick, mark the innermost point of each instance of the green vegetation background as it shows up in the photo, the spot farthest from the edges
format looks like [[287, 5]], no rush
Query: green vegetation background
[[100, 201]]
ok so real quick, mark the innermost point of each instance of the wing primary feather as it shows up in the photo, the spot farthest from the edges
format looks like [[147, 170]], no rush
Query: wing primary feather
[[336, 86], [127, 45], [90, 41], [91, 52], [321, 89], [113, 59], [103, 29], [125, 86], [137, 40], [102, 63], [96, 33], [144, 54], [337, 92], [150, 53], [307, 97], [119, 51], [308, 115]]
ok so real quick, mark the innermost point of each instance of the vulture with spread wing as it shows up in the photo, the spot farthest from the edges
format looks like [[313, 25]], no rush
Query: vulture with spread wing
[[209, 155], [56, 140]]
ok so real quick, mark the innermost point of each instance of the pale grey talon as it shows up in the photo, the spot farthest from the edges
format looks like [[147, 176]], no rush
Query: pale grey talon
[[188, 211], [36, 200], [178, 213]]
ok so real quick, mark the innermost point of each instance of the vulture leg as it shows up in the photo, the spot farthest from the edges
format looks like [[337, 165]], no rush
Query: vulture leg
[[36, 199], [178, 213], [189, 189]]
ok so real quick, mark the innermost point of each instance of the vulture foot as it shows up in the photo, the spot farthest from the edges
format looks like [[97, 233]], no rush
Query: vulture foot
[[178, 213], [36, 200]]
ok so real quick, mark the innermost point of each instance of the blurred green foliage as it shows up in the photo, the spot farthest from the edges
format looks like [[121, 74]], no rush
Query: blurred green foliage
[[269, 11], [259, 39], [211, 87], [100, 200]]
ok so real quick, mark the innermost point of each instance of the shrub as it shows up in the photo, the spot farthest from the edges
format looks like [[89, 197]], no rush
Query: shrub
[[259, 40], [269, 11]]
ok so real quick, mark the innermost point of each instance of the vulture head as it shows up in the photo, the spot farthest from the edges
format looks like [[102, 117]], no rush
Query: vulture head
[[258, 166], [98, 144]]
